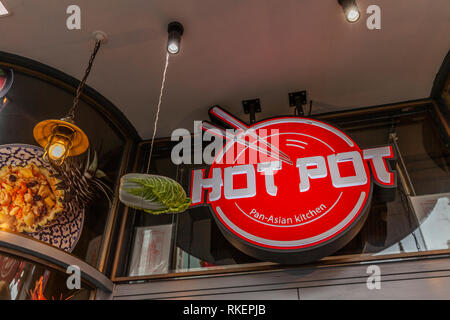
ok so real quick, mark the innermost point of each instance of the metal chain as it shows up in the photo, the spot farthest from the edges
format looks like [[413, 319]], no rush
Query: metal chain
[[71, 113]]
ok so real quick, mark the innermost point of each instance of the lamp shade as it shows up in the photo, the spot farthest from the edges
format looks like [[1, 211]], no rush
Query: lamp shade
[[46, 129]]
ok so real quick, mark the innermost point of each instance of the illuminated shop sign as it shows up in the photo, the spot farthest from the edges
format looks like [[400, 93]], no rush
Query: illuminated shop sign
[[304, 201]]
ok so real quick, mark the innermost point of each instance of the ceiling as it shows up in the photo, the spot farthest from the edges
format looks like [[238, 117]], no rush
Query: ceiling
[[235, 50]]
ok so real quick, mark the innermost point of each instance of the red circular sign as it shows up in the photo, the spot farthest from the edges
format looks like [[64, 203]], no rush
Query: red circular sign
[[284, 213]]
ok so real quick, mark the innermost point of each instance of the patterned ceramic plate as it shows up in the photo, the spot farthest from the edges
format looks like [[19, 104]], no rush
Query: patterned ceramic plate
[[65, 230]]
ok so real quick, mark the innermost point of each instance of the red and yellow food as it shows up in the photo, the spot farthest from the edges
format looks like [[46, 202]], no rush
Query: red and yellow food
[[28, 198]]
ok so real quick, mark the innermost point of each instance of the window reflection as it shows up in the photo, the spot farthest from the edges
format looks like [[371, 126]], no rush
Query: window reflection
[[32, 100], [23, 280]]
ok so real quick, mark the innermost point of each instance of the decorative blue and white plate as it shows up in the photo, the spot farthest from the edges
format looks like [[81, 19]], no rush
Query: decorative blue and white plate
[[65, 230]]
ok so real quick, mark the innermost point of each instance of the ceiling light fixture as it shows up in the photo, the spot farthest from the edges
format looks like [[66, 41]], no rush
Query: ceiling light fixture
[[62, 138], [351, 10], [175, 30], [3, 10]]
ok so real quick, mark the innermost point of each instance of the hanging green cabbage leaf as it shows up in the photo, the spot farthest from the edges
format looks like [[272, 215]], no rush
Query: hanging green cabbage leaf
[[153, 194]]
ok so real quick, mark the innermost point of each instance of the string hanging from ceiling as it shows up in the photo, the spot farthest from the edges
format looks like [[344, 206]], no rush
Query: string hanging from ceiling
[[156, 194]]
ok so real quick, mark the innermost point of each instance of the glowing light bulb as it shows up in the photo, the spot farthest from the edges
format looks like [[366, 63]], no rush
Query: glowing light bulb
[[57, 150], [353, 15], [172, 48], [3, 10], [351, 10]]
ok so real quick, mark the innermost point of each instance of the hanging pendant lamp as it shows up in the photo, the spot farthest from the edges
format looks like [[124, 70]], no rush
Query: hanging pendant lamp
[[63, 138]]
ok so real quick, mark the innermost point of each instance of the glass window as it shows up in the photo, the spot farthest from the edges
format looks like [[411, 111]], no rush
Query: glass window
[[24, 280], [31, 100], [409, 223], [416, 219]]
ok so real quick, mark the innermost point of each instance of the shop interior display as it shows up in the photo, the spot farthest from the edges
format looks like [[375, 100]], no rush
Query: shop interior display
[[43, 192]]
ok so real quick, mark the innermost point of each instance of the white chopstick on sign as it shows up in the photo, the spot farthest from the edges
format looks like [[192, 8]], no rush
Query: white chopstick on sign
[[235, 123], [207, 126]]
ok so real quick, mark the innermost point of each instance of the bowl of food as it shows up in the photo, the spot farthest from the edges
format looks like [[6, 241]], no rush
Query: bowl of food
[[30, 200]]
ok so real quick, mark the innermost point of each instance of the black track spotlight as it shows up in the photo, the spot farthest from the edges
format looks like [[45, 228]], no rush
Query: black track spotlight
[[351, 10], [175, 30]]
